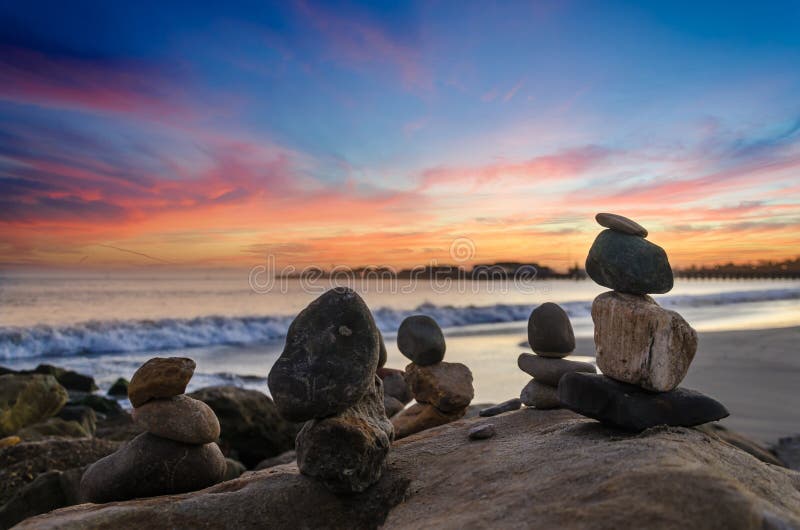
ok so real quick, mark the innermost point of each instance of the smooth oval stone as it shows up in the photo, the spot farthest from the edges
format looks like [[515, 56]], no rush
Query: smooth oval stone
[[635, 409], [540, 396], [629, 264], [446, 386], [420, 339], [179, 418], [620, 224], [160, 378], [505, 406], [346, 452], [149, 465], [482, 432], [550, 331], [550, 371], [329, 360]]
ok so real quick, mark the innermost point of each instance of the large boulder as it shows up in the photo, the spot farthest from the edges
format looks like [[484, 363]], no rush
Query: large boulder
[[149, 465], [331, 354], [629, 264], [347, 451], [28, 399], [446, 386], [639, 342], [543, 469], [251, 427]]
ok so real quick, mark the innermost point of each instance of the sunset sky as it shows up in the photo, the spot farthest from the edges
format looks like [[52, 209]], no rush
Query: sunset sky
[[141, 134]]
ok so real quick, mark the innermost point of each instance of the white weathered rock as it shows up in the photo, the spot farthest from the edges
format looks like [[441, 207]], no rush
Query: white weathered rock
[[639, 342]]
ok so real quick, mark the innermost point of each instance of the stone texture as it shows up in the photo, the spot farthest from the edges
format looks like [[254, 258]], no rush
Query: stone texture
[[160, 378], [53, 428], [500, 408], [180, 418], [421, 416], [620, 224], [550, 331], [288, 457], [119, 388], [330, 357], [48, 491], [788, 451], [233, 469], [632, 408], [149, 465], [421, 339], [550, 469], [28, 399], [67, 378], [82, 414], [541, 396], [740, 441], [639, 342], [392, 406], [394, 384], [347, 451], [251, 428], [446, 386], [482, 431], [549, 371], [629, 264]]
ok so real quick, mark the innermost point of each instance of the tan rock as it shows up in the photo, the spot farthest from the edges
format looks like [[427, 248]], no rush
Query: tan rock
[[8, 441], [28, 399], [446, 386], [180, 418], [419, 417], [639, 342], [160, 378]]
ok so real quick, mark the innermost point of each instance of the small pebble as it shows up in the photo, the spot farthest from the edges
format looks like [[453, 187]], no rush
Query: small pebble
[[482, 432]]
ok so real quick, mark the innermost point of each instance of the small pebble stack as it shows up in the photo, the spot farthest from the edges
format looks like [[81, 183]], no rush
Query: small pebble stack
[[643, 350], [443, 390], [326, 376], [176, 453], [551, 337]]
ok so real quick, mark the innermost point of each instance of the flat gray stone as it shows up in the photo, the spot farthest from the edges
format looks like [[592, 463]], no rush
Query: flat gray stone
[[620, 224], [549, 371]]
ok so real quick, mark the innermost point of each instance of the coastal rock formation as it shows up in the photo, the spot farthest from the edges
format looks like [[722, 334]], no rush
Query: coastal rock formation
[[549, 371], [629, 264], [347, 451], [331, 353], [639, 342], [632, 408], [150, 465], [421, 339], [160, 378], [446, 386], [28, 399], [180, 418], [586, 476], [251, 427], [550, 331]]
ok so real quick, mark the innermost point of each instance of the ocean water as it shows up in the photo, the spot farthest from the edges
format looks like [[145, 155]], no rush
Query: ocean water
[[108, 324]]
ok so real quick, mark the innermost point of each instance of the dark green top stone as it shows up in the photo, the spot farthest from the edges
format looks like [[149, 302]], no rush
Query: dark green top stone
[[629, 264]]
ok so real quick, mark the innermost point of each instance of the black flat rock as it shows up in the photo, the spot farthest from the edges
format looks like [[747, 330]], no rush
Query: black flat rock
[[635, 409]]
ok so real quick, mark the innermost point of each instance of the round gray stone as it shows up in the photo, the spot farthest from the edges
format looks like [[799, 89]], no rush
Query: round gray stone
[[420, 339], [550, 331]]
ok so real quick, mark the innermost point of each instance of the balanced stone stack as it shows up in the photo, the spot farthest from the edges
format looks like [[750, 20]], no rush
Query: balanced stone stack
[[326, 376], [443, 390], [551, 337], [643, 350], [176, 453]]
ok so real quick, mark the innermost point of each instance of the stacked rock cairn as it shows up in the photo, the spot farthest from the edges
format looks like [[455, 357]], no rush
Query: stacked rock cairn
[[176, 453], [643, 350], [551, 337], [326, 378], [443, 390]]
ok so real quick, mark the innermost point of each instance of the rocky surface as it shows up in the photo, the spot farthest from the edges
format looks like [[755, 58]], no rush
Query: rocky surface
[[505, 406], [347, 451], [639, 342], [48, 491], [283, 458], [632, 408], [85, 416], [550, 331], [419, 417], [742, 442], [233, 469], [536, 394], [331, 353], [629, 264], [251, 428], [620, 224], [28, 399], [549, 371], [53, 428], [149, 465], [160, 378], [788, 451], [180, 418], [446, 386], [394, 384], [421, 339], [586, 476]]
